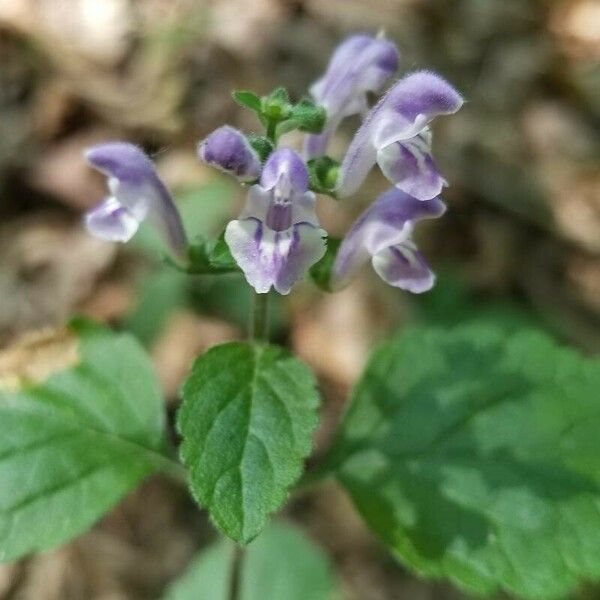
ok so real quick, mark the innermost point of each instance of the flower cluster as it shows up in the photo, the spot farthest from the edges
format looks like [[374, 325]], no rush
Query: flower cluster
[[277, 237]]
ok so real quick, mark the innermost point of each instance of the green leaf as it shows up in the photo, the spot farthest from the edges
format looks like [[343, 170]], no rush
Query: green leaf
[[475, 454], [247, 420], [247, 100], [320, 272], [75, 440], [262, 145], [207, 577], [280, 563], [210, 257]]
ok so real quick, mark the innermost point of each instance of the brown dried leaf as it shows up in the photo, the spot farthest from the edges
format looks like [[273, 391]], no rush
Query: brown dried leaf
[[47, 266], [36, 356]]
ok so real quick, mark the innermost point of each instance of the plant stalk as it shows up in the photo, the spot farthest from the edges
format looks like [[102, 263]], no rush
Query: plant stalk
[[259, 328], [235, 579]]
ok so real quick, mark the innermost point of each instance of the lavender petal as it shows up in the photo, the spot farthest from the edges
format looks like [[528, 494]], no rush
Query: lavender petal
[[273, 258], [403, 113], [285, 172], [111, 221], [135, 185], [359, 65], [410, 166], [388, 222], [403, 266]]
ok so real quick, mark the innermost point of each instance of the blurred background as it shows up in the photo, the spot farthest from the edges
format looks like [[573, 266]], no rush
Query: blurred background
[[520, 242]]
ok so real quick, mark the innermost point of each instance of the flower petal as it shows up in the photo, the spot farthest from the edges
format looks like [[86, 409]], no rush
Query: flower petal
[[228, 149], [387, 222], [411, 104], [360, 64], [258, 202], [400, 115], [273, 258], [136, 186], [307, 246], [411, 168], [111, 221], [403, 266], [285, 172]]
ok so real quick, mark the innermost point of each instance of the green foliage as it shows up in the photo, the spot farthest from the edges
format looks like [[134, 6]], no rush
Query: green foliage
[[474, 453], [247, 420], [308, 116], [207, 577], [280, 564], [210, 257], [323, 174], [320, 272], [247, 100], [452, 302], [279, 115], [262, 145], [276, 105], [72, 445]]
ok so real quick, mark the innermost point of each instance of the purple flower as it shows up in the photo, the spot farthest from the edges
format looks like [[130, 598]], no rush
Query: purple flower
[[395, 135], [277, 236], [383, 234], [136, 192], [360, 64], [228, 149]]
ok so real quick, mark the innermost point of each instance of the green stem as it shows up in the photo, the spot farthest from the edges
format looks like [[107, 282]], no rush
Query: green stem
[[272, 131], [259, 329]]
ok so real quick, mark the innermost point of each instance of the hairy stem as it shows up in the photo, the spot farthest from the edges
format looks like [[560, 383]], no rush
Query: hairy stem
[[272, 131], [259, 328]]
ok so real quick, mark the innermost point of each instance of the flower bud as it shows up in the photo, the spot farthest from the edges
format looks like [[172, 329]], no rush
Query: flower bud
[[228, 149]]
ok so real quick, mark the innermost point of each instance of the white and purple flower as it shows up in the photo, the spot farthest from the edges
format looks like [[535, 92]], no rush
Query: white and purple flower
[[359, 65], [383, 233], [228, 149], [395, 135], [136, 193], [277, 237]]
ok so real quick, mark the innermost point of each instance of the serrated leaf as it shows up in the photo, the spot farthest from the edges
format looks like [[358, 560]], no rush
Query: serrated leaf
[[247, 420], [475, 454], [280, 563], [82, 424], [247, 99]]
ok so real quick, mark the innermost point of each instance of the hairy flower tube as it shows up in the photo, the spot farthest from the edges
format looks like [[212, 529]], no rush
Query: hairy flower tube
[[383, 233], [277, 236], [228, 149], [395, 135], [359, 65], [136, 193]]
